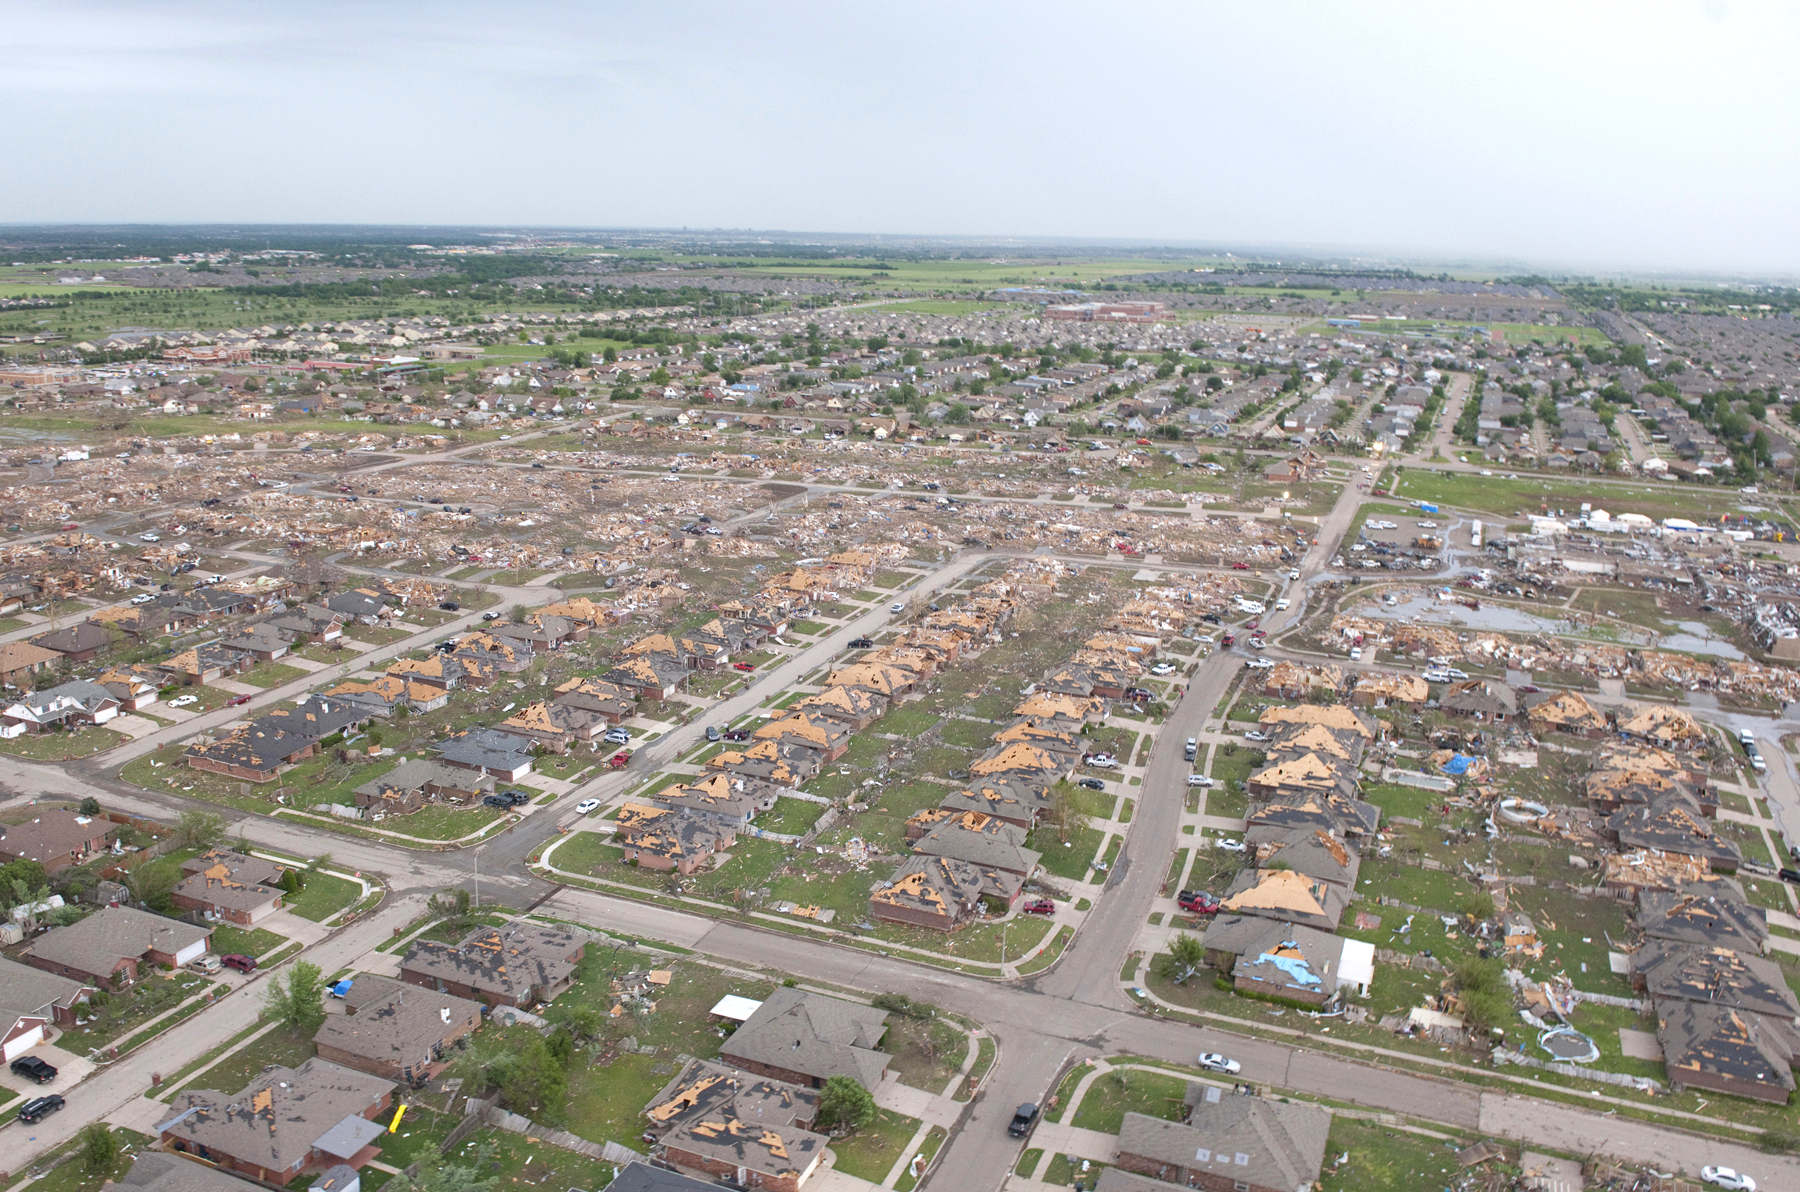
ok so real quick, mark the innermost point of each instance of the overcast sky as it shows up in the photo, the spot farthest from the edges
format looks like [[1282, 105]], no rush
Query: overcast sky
[[1560, 134]]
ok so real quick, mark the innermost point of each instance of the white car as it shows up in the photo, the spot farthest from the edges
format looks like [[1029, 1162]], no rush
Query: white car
[[1730, 1180], [896, 607], [1218, 1062], [1229, 844], [182, 701], [1103, 761], [490, 616], [142, 598], [1163, 669], [587, 806], [1426, 524], [1281, 604], [148, 537], [1261, 664], [1356, 653], [1487, 472], [1293, 574], [1256, 735], [1200, 781]]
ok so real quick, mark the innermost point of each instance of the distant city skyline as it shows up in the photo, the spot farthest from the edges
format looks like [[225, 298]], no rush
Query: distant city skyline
[[1581, 138]]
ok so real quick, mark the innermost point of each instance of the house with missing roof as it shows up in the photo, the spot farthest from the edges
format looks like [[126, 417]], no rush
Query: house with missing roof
[[1229, 1142], [287, 1122], [517, 964], [933, 892], [222, 885], [804, 1038], [745, 1129], [396, 1031]]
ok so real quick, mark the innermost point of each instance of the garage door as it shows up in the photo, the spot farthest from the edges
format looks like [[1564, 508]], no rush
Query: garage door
[[12, 1049], [184, 957]]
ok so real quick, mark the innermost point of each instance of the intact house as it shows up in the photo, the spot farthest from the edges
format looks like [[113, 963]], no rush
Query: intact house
[[109, 948], [505, 756], [1229, 1142], [516, 964], [395, 1030], [21, 661], [58, 839], [287, 1122], [30, 1002], [804, 1038], [65, 706], [78, 643]]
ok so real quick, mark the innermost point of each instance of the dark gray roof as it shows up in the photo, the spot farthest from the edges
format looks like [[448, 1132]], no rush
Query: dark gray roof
[[488, 749], [279, 1115], [96, 944], [394, 1022], [154, 1171], [815, 1035], [642, 1177], [1243, 1138], [510, 961]]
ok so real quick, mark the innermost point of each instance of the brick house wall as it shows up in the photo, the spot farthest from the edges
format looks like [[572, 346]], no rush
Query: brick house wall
[[1182, 1173], [1771, 1093], [126, 965], [901, 915], [200, 763], [754, 1180]]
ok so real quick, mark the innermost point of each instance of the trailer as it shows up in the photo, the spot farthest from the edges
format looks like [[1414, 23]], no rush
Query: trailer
[[1427, 508]]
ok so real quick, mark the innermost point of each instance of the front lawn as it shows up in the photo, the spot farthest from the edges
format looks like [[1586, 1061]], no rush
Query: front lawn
[[1384, 1159], [441, 823], [790, 815], [1116, 1093], [229, 939], [280, 1046], [322, 896], [274, 674], [60, 747], [870, 1153], [1070, 860], [121, 1012], [74, 1175]]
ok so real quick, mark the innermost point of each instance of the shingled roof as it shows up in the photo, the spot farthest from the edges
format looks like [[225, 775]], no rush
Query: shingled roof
[[813, 1035], [281, 1115], [1254, 1142]]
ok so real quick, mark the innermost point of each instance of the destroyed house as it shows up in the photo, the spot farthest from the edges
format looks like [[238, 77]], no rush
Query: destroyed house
[[611, 701], [1383, 690], [439, 670], [555, 725], [1014, 801], [408, 786], [850, 706], [1314, 853], [650, 678], [517, 964], [1285, 895], [776, 761], [827, 737], [1566, 712], [884, 679], [803, 1038], [396, 1031], [380, 697], [733, 799], [679, 840], [1670, 825], [1303, 775], [287, 1122], [218, 895], [983, 841], [1054, 710], [1480, 700], [1281, 818]]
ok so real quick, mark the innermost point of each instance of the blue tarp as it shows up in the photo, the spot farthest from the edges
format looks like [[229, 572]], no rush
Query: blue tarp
[[1293, 966], [342, 987], [1458, 765]]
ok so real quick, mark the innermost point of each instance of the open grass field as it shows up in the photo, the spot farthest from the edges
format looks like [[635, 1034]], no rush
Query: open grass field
[[1499, 496]]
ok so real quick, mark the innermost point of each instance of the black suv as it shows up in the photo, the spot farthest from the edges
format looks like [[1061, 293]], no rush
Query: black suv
[[34, 1068], [450, 606], [507, 799], [861, 643], [1023, 1121], [37, 1109]]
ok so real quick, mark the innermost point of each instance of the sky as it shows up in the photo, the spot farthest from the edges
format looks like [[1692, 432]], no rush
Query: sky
[[1626, 136]]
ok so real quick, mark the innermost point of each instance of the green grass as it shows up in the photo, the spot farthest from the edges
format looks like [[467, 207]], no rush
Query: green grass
[[984, 1059], [281, 1046], [1071, 861], [1114, 1094], [74, 1175], [440, 823], [1028, 1162], [870, 1153], [790, 815], [61, 747], [926, 1152], [1383, 1159], [422, 1128], [322, 896], [274, 674], [154, 995], [228, 939]]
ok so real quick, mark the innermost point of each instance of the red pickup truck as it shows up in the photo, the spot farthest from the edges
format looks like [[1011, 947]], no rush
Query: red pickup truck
[[620, 760]]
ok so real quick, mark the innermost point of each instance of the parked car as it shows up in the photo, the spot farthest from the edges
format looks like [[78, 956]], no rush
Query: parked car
[[897, 607], [450, 606], [1092, 785], [148, 537], [1198, 903], [34, 1069], [37, 1108], [238, 962], [1023, 1121], [1240, 566], [736, 735], [1202, 781], [1228, 640], [1788, 875], [1231, 844], [1261, 664], [206, 966], [742, 666], [1041, 907], [1727, 1178], [1255, 735], [181, 701], [587, 806], [1163, 669], [237, 700], [712, 733], [861, 643], [1102, 759], [490, 616], [512, 798], [1218, 1062], [618, 736]]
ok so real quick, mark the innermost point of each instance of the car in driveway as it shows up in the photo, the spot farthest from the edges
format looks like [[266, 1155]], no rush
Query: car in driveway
[[587, 806], [1728, 1178], [238, 962], [1219, 1062], [1103, 760], [34, 1069], [1255, 735], [1041, 907], [508, 799], [616, 736], [1163, 669], [39, 1107], [1202, 781], [181, 701], [742, 666], [1231, 844], [142, 598], [1199, 903], [1024, 1120]]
